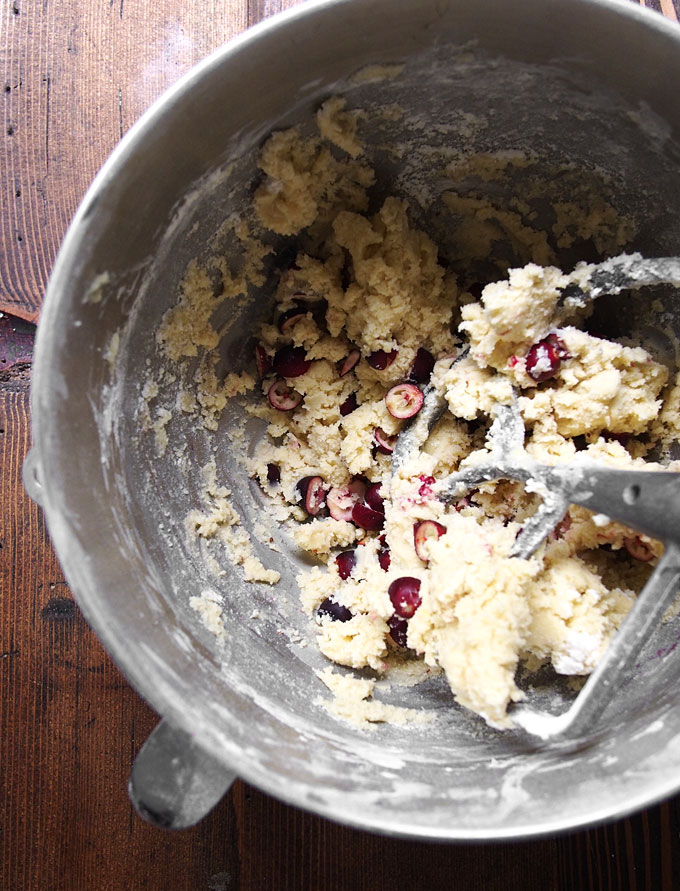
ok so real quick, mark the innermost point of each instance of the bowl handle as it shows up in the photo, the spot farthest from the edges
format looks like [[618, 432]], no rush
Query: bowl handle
[[174, 783], [30, 473]]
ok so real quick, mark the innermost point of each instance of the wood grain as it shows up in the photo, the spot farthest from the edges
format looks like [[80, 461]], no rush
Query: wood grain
[[75, 76]]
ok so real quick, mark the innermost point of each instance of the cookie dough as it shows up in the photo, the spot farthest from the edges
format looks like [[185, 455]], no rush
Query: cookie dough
[[366, 306]]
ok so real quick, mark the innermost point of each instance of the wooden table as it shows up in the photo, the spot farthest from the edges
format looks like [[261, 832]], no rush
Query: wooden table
[[75, 75]]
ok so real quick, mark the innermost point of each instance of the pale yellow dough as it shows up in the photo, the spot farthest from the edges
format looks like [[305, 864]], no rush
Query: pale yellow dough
[[482, 613]]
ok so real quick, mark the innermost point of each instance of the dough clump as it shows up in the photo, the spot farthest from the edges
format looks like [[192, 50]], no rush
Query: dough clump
[[364, 306]]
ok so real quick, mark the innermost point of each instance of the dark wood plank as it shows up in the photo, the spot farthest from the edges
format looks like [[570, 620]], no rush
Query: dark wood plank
[[70, 726], [74, 77]]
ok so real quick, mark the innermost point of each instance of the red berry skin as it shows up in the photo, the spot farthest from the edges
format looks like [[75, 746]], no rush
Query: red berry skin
[[349, 405], [291, 361], [366, 518], [558, 345], [425, 489], [374, 499], [384, 559], [350, 362], [263, 361], [404, 593], [544, 358], [380, 360], [383, 441], [336, 612], [346, 561], [422, 366], [398, 630], [273, 473]]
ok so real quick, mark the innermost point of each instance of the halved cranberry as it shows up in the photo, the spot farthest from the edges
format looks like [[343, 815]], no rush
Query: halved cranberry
[[291, 361], [313, 493], [273, 473], [404, 593], [283, 397], [545, 357], [384, 558], [374, 499], [404, 400], [290, 318], [367, 518], [346, 561], [341, 499], [638, 549], [380, 360], [425, 489], [383, 441], [423, 532], [263, 361], [349, 363], [422, 366], [349, 405], [333, 610], [398, 630]]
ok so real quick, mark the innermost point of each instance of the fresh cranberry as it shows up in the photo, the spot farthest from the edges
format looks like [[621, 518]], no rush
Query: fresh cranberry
[[349, 405], [424, 532], [422, 366], [313, 494], [384, 558], [350, 362], [291, 361], [404, 593], [544, 358], [404, 400], [380, 360], [273, 473], [283, 397], [367, 518], [374, 499], [425, 489], [398, 630], [263, 362], [290, 318], [341, 499], [333, 610], [638, 549], [346, 561], [383, 441]]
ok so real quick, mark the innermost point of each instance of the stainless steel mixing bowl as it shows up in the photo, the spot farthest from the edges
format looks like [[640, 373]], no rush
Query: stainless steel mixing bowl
[[592, 83]]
